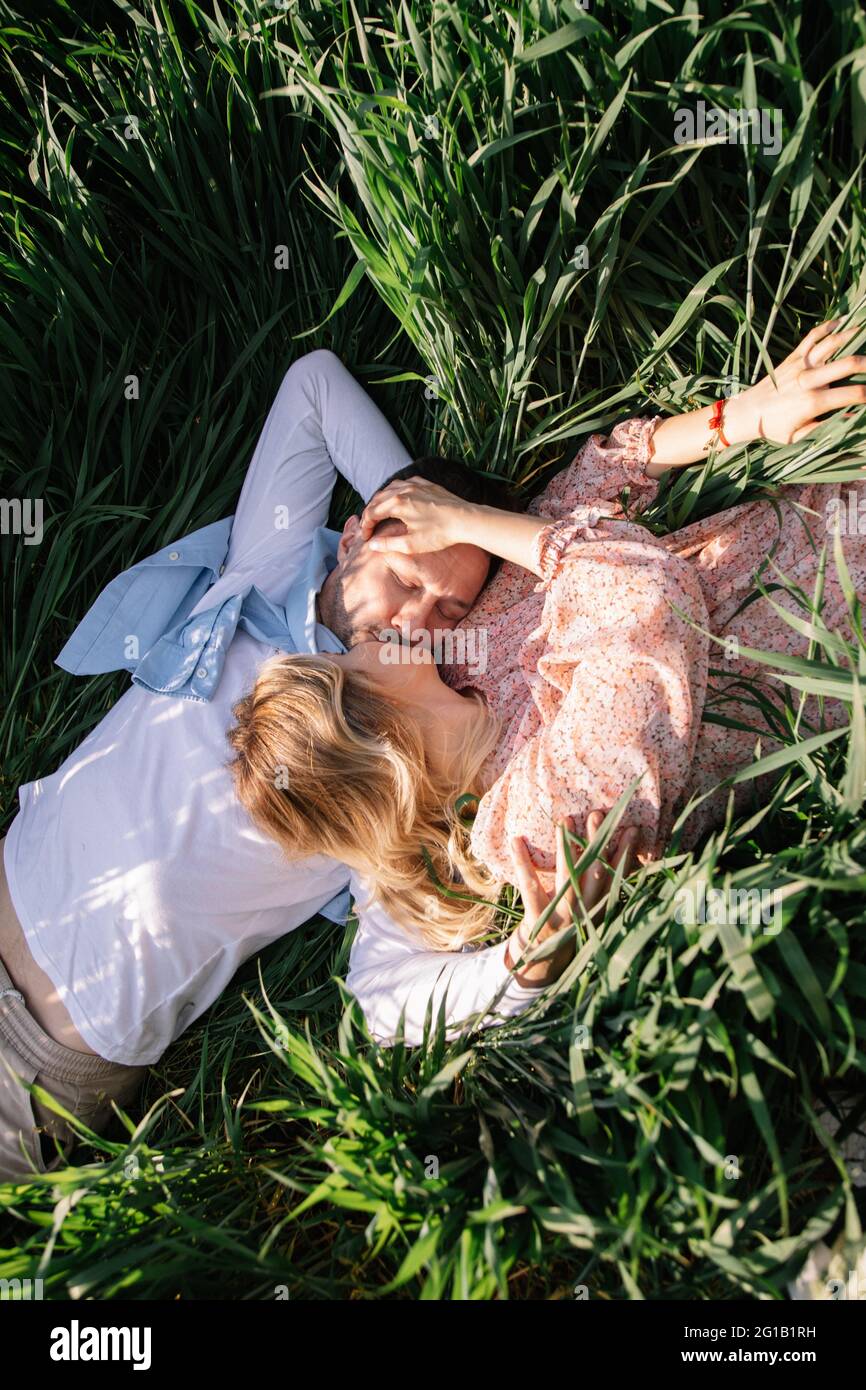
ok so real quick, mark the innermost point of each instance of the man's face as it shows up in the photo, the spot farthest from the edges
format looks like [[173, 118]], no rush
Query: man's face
[[368, 591]]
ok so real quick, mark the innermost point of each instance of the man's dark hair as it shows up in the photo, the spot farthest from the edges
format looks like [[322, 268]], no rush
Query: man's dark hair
[[488, 489]]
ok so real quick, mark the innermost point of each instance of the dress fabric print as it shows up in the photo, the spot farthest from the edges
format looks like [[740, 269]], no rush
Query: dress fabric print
[[599, 679]]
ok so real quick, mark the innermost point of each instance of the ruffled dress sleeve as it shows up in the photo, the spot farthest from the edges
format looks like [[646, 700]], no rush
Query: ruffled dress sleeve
[[606, 469]]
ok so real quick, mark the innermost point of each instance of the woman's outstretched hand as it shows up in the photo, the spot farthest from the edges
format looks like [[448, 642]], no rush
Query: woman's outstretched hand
[[595, 885], [807, 386]]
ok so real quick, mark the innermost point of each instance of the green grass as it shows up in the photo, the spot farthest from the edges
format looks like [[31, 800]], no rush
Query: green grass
[[433, 169]]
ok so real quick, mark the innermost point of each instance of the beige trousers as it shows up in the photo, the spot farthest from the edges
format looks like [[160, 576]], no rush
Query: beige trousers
[[83, 1083]]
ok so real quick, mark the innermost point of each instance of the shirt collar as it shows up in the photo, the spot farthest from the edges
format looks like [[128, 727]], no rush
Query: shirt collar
[[308, 634]]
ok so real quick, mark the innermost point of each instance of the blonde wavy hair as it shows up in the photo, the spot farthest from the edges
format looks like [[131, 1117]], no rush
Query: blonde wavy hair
[[325, 764]]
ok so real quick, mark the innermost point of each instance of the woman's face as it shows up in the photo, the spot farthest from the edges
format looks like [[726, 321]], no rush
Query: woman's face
[[409, 676], [404, 672]]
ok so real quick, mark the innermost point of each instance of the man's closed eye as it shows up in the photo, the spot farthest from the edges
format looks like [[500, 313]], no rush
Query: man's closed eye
[[455, 604]]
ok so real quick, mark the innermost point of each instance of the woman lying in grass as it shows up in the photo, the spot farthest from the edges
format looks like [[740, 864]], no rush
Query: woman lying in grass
[[596, 673]]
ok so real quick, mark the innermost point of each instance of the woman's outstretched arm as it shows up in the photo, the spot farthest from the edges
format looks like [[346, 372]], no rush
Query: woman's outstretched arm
[[785, 412], [636, 454]]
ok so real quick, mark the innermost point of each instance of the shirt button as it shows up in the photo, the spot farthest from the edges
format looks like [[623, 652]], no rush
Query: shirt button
[[222, 569], [175, 555], [201, 673]]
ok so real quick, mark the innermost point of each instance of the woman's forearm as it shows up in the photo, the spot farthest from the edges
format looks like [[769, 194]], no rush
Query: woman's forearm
[[510, 535], [684, 439], [676, 442], [784, 408]]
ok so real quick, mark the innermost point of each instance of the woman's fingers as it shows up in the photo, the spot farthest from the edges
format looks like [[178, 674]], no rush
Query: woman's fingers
[[811, 378], [625, 855], [829, 399], [599, 883], [815, 334], [594, 887], [406, 543], [394, 500], [531, 891], [805, 345], [427, 511], [820, 330], [568, 901], [823, 346], [380, 509], [833, 398], [595, 882]]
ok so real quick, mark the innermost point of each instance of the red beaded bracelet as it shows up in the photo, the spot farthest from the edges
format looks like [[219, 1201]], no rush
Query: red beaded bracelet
[[716, 421]]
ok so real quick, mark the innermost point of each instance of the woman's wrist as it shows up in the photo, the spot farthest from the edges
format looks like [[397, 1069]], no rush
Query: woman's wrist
[[539, 972], [738, 419], [515, 951], [683, 439]]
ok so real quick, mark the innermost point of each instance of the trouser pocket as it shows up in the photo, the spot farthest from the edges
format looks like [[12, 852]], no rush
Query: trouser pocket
[[20, 1148]]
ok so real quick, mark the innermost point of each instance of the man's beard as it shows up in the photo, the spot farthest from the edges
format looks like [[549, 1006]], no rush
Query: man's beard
[[331, 611]]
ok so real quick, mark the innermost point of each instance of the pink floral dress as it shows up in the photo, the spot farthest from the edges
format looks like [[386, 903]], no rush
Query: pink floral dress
[[602, 671]]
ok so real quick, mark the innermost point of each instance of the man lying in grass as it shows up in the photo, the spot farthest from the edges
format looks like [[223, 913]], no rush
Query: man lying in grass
[[133, 883], [135, 880]]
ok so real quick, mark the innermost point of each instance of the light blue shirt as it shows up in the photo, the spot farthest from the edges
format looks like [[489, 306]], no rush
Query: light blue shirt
[[184, 656]]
